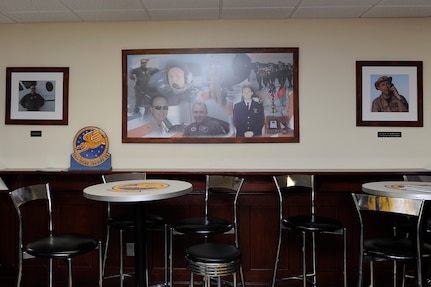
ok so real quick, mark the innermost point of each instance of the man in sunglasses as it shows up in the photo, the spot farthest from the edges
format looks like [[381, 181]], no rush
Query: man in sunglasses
[[158, 113]]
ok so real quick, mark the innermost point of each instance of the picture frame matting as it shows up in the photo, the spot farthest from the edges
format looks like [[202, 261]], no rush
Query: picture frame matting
[[37, 95]]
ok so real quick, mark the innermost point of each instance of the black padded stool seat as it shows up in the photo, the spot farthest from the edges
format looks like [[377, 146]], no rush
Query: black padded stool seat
[[395, 248], [203, 226], [62, 246], [121, 223], [316, 224], [213, 253]]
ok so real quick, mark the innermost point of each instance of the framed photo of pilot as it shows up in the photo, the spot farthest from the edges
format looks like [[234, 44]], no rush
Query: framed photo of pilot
[[37, 95], [210, 95], [389, 93]]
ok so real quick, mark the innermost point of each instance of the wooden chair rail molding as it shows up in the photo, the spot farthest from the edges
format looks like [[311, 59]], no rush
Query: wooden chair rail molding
[[258, 225]]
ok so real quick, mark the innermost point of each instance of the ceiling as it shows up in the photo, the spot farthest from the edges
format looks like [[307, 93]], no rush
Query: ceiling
[[56, 11]]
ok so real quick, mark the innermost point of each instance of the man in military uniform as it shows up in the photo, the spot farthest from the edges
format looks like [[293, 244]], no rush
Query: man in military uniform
[[203, 126], [248, 115], [389, 100], [32, 101], [141, 76]]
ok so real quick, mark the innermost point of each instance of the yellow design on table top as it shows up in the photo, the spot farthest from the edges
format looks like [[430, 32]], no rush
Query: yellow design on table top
[[138, 187], [408, 186]]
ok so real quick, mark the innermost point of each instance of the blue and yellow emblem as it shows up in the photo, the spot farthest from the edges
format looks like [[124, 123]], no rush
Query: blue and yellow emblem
[[138, 187], [90, 150]]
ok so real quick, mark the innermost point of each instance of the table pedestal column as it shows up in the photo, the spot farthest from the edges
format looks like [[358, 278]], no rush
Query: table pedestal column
[[140, 246]]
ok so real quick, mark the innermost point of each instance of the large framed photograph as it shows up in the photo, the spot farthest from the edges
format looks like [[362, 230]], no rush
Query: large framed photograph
[[37, 95], [210, 95], [389, 93]]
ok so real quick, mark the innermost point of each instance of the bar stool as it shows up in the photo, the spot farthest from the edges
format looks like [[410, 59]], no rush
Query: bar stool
[[307, 225], [123, 224], [54, 245], [213, 260], [209, 259], [386, 246]]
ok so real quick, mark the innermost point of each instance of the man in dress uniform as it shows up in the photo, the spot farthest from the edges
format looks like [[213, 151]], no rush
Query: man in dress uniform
[[248, 115]]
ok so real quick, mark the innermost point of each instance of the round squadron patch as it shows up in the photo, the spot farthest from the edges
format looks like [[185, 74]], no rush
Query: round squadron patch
[[90, 147]]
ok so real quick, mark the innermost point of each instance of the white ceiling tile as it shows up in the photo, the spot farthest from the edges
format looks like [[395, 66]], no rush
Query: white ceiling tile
[[333, 12], [250, 13], [405, 3], [259, 3], [338, 3], [113, 15], [102, 4], [5, 20], [44, 17], [17, 11], [394, 12], [180, 4], [183, 14], [30, 5]]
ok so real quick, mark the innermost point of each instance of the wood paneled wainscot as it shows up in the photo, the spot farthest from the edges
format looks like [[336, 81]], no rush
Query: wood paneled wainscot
[[258, 225]]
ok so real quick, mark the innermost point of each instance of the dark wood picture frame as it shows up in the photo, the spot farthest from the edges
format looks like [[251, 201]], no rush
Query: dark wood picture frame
[[215, 77], [48, 107], [372, 109]]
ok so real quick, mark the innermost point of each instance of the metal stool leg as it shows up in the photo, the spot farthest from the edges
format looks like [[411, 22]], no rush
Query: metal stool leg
[[171, 268], [100, 264], [166, 259], [191, 279], [304, 262], [69, 270], [277, 258], [121, 259], [395, 273], [313, 246], [51, 272], [345, 256], [105, 256]]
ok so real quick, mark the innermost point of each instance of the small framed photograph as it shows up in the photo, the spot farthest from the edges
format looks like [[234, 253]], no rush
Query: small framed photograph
[[273, 124], [37, 95], [210, 95], [389, 93]]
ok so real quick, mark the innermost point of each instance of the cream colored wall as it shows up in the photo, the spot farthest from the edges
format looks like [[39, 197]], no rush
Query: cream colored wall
[[328, 50]]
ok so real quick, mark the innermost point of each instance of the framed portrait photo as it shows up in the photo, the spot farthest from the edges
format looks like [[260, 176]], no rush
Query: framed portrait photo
[[210, 95], [389, 93], [37, 96]]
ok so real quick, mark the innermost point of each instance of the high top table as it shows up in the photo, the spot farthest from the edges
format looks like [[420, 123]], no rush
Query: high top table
[[138, 192], [401, 189]]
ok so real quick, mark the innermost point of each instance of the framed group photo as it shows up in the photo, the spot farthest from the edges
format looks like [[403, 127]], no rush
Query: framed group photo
[[210, 95], [389, 93], [37, 95]]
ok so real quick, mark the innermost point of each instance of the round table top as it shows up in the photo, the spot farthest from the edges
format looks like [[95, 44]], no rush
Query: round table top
[[137, 190], [401, 189]]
